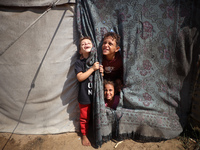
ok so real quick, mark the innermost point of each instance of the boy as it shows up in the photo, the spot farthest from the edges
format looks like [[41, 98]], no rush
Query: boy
[[84, 77], [112, 60]]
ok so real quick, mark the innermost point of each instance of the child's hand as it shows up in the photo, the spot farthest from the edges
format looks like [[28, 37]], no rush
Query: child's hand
[[95, 66], [101, 70]]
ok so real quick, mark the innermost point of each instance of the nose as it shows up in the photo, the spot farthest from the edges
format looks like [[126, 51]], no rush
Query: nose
[[106, 44]]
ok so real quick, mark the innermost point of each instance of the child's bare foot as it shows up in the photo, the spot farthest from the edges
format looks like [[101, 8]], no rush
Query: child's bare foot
[[85, 141]]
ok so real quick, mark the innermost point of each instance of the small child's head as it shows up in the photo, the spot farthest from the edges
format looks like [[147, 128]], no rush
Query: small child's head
[[85, 45], [109, 90], [111, 44]]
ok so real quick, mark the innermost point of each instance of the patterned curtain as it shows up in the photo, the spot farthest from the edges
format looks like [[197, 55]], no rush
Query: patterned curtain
[[159, 48]]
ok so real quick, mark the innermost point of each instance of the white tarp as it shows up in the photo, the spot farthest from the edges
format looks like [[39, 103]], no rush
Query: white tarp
[[38, 87]]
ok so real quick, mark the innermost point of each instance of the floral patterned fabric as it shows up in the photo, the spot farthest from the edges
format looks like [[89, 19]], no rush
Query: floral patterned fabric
[[159, 47]]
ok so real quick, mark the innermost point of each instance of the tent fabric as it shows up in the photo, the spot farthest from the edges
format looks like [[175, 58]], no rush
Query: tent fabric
[[38, 87], [33, 3], [195, 112], [159, 44]]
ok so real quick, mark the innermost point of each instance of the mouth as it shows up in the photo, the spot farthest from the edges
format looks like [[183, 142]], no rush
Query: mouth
[[108, 97], [87, 47], [105, 50]]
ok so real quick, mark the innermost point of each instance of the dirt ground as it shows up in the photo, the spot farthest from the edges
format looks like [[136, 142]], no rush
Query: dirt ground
[[72, 141]]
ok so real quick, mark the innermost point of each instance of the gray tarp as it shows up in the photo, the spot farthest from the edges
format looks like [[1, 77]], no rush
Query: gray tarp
[[37, 80]]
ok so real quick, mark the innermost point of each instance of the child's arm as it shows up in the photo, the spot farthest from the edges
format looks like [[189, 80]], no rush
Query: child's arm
[[81, 76]]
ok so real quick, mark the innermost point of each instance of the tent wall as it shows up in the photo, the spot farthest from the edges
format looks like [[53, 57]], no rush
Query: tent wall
[[33, 3], [38, 87], [195, 112]]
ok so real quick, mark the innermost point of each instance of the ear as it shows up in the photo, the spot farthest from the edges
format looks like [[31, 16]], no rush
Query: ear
[[117, 49]]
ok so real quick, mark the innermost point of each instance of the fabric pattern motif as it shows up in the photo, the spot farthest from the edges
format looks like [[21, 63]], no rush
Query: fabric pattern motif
[[155, 35]]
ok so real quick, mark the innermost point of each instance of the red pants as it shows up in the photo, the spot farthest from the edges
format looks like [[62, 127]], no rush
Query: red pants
[[84, 117]]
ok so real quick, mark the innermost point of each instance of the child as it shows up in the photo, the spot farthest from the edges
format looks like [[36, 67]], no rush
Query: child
[[112, 60], [85, 86], [111, 100]]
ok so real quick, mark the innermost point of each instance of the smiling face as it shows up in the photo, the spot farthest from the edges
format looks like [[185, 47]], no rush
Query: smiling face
[[109, 92], [85, 46], [109, 47]]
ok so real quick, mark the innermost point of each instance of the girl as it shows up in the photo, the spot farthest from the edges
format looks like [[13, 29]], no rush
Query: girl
[[111, 100]]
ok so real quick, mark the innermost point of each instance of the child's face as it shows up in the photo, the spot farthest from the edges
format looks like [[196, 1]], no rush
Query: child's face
[[85, 46], [109, 92], [109, 46]]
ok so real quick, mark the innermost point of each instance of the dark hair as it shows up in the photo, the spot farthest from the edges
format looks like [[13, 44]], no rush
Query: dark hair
[[83, 38], [114, 36], [109, 82], [80, 40]]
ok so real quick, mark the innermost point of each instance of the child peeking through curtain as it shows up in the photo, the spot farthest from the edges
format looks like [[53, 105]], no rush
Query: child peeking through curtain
[[110, 97], [112, 60]]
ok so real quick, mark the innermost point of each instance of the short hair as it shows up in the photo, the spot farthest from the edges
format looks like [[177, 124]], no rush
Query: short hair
[[83, 38], [109, 82], [114, 36]]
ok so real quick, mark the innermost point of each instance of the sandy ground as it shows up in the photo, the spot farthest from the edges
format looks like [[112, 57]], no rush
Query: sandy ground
[[72, 141]]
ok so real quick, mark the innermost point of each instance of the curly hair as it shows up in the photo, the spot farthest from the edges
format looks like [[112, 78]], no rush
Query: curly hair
[[114, 36]]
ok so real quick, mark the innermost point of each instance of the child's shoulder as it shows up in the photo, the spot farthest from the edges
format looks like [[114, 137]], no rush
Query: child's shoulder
[[80, 61], [118, 54], [117, 96]]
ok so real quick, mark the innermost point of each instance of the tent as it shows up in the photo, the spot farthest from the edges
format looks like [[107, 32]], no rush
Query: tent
[[38, 84], [38, 50]]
